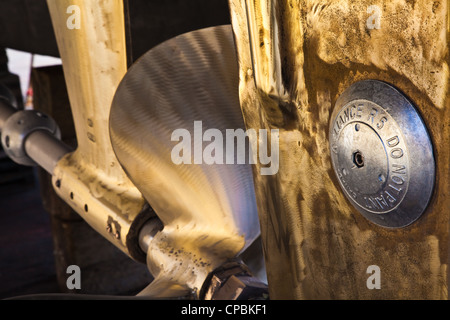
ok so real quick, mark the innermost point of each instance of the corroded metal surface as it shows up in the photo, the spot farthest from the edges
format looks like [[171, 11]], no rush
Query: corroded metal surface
[[296, 58], [91, 179], [208, 210]]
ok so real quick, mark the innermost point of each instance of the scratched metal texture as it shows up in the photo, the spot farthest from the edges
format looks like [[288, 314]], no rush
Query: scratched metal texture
[[208, 211], [296, 58]]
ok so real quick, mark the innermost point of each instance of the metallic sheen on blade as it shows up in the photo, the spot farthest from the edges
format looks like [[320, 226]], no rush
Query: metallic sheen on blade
[[208, 211]]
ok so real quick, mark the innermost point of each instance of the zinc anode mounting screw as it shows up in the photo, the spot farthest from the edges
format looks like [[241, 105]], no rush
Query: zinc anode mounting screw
[[358, 159]]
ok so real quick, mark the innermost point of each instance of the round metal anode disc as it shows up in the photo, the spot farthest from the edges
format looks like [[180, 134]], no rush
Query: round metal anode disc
[[382, 154]]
